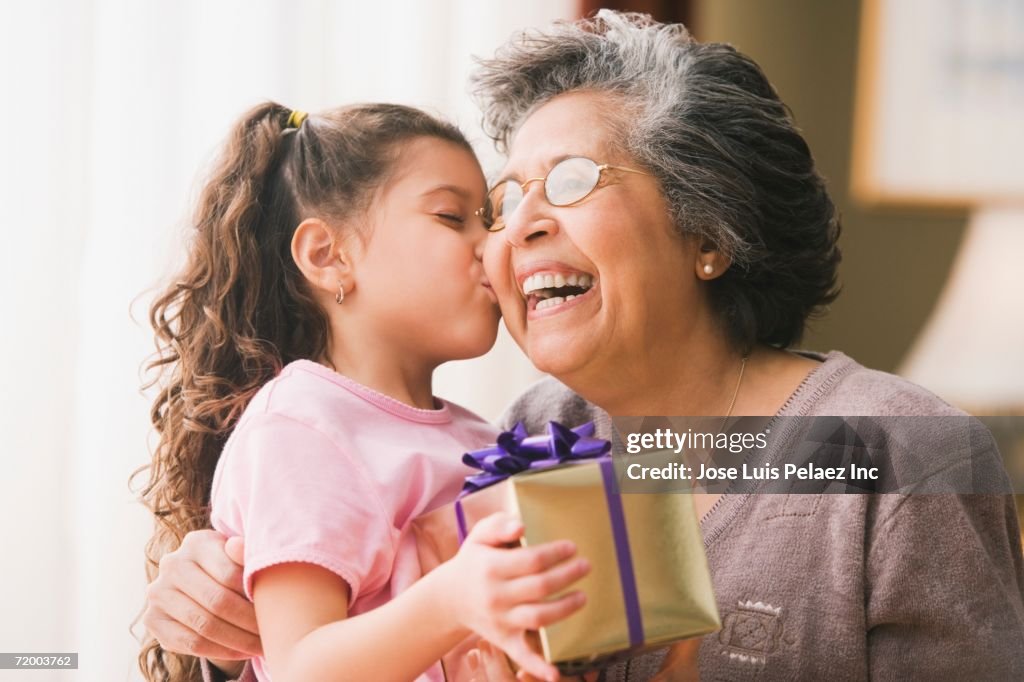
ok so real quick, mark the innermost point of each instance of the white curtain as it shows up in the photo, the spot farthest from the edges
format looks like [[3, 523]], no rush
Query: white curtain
[[110, 110]]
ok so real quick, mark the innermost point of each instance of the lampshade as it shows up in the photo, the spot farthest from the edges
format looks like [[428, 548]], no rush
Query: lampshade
[[971, 352]]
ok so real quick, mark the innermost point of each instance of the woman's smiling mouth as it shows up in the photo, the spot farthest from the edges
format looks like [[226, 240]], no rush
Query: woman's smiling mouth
[[550, 291]]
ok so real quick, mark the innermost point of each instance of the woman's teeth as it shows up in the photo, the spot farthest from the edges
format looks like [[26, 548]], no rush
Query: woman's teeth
[[556, 281], [552, 302], [550, 289]]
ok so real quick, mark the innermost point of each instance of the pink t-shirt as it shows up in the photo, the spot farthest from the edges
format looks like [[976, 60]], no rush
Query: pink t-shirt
[[323, 470]]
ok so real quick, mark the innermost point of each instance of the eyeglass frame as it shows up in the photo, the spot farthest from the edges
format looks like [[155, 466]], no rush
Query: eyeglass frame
[[601, 168]]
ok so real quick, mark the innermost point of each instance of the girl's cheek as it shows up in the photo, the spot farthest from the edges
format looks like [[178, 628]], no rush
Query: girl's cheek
[[495, 259]]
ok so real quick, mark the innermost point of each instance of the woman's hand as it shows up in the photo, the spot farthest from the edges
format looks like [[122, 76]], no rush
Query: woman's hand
[[491, 665], [196, 604], [501, 593], [681, 662]]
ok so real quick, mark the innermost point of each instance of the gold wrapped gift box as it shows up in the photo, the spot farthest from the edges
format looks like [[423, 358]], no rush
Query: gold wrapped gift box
[[671, 586]]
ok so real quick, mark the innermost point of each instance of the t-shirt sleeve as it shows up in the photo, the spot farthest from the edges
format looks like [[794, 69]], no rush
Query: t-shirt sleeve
[[296, 497]]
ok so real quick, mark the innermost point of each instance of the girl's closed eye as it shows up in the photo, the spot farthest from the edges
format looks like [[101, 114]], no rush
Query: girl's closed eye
[[452, 218]]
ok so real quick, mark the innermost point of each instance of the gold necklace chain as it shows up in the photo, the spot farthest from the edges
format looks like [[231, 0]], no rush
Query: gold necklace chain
[[735, 392]]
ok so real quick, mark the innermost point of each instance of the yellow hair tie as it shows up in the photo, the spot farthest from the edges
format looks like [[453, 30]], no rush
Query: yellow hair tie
[[295, 119]]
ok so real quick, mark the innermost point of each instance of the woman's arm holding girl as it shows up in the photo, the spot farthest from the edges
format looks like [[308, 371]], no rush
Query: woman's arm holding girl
[[196, 604]]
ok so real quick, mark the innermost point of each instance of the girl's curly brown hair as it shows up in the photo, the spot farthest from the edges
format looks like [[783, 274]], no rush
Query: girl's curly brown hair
[[240, 310]]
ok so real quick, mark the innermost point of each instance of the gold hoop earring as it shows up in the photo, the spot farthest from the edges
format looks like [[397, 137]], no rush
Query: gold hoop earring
[[340, 298]]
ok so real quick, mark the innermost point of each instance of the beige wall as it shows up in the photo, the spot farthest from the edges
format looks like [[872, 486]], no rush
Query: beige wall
[[895, 261]]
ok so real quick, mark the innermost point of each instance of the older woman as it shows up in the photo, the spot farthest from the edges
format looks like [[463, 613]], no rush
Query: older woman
[[659, 237]]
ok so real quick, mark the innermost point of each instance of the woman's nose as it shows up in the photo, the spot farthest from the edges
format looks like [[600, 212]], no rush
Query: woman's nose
[[531, 220]]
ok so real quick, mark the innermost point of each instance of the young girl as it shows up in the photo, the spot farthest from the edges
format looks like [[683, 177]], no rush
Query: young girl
[[335, 265]]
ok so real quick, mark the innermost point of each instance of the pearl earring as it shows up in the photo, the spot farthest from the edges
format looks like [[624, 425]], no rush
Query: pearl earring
[[340, 298], [708, 268]]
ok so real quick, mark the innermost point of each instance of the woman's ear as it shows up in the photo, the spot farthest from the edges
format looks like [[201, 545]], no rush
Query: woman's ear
[[711, 262], [320, 253]]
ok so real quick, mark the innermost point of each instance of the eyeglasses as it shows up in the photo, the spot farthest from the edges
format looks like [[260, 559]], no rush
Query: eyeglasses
[[568, 182]]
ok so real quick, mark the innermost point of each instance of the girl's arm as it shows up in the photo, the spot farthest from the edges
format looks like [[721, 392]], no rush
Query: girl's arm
[[487, 588]]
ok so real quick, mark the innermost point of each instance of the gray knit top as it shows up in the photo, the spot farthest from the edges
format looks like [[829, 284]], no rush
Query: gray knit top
[[847, 587]]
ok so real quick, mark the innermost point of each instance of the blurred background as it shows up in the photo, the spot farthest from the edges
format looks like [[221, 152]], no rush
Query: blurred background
[[112, 108]]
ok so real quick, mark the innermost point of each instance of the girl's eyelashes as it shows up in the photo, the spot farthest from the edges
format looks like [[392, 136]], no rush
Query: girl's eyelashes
[[451, 218]]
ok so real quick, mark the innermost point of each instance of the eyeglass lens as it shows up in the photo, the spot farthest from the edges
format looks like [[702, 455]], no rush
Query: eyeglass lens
[[566, 183]]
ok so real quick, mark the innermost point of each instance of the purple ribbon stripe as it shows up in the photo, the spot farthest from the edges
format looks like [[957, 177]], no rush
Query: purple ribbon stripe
[[460, 522], [617, 516]]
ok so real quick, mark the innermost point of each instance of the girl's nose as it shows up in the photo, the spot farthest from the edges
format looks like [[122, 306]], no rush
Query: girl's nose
[[480, 240]]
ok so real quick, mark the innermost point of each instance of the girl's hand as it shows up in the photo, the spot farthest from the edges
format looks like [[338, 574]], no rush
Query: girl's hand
[[500, 593], [195, 606]]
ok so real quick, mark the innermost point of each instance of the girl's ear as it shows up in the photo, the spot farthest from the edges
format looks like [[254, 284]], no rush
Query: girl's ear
[[322, 257]]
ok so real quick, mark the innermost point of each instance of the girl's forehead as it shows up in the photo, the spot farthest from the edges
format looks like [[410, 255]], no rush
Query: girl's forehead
[[430, 163]]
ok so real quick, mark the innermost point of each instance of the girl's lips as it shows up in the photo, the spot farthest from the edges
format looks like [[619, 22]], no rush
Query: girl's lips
[[533, 314], [490, 292]]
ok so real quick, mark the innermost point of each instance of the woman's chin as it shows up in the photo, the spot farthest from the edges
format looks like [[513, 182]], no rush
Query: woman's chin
[[555, 356]]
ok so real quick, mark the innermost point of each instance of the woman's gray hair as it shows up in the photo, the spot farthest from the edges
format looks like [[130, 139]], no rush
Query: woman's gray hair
[[704, 119]]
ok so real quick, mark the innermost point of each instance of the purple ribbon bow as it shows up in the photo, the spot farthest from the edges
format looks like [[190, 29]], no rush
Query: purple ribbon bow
[[516, 451]]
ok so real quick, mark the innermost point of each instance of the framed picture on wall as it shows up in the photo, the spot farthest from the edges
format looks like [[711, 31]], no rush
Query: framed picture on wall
[[940, 103]]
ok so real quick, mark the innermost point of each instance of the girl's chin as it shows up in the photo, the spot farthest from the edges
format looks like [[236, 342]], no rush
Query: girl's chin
[[484, 341], [469, 341]]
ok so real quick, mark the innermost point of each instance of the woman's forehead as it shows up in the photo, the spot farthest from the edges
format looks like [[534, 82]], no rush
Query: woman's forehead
[[568, 125]]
